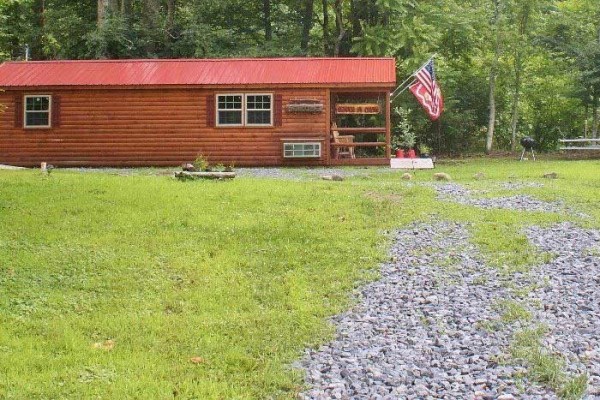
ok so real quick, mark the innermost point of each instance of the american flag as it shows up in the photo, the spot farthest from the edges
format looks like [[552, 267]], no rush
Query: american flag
[[427, 91]]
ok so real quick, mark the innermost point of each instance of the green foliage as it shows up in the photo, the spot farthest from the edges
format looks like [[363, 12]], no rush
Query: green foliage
[[424, 149], [405, 136], [545, 367], [201, 163]]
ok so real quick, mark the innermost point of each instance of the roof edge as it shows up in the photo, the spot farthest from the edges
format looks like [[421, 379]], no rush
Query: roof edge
[[167, 60]]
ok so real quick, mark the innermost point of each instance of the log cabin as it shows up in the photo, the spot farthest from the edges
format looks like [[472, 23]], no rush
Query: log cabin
[[246, 112]]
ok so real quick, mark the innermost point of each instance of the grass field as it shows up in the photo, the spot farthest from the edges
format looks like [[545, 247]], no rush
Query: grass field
[[144, 287]]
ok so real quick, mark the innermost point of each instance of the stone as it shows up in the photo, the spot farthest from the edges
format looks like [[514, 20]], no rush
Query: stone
[[406, 176], [506, 397], [550, 175], [479, 176], [188, 167], [442, 176], [334, 177]]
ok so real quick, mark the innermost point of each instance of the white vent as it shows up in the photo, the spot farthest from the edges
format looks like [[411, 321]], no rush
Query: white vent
[[302, 150]]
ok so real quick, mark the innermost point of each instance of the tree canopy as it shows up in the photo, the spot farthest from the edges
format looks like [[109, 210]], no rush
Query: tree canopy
[[507, 68]]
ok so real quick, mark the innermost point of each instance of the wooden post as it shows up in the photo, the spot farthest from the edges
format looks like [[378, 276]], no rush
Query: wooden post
[[388, 126], [327, 142]]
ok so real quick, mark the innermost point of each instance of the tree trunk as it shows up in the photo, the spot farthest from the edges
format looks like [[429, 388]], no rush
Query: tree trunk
[[267, 20], [493, 73], [586, 115], [515, 104], [355, 17], [596, 117], [106, 7], [126, 8], [171, 4], [307, 21], [151, 24], [339, 25], [37, 46], [492, 116], [526, 9], [325, 28], [102, 10]]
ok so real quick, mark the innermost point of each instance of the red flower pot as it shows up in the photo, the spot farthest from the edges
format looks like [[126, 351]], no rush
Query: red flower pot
[[399, 153], [412, 154]]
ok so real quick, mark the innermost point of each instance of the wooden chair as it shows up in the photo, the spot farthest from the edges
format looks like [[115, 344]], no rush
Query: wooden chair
[[341, 151]]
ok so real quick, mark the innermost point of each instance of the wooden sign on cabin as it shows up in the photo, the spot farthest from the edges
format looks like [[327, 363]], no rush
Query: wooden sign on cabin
[[305, 106], [362, 108]]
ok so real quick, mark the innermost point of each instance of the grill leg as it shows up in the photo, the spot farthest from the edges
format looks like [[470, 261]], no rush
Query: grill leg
[[533, 154], [522, 155]]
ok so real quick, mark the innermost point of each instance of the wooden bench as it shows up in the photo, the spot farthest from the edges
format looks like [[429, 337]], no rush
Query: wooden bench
[[579, 144]]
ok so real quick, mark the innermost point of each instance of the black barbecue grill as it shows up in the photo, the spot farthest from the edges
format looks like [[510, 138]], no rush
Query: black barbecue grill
[[528, 144]]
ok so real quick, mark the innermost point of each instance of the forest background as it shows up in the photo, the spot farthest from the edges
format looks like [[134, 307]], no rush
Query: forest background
[[507, 68]]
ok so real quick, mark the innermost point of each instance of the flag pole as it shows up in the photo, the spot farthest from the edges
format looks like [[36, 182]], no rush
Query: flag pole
[[394, 94], [402, 84], [400, 92]]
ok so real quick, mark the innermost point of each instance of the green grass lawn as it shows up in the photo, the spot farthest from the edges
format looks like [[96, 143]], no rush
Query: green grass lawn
[[110, 285]]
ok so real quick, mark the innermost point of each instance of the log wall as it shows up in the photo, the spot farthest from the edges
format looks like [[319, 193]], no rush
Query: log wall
[[154, 127]]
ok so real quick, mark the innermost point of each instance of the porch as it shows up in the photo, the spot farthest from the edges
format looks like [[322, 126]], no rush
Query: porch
[[359, 127]]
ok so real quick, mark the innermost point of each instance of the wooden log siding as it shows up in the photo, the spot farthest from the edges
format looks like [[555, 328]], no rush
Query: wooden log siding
[[137, 127]]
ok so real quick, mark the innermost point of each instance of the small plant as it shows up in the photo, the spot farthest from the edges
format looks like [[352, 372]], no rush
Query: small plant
[[407, 138], [513, 312], [201, 163], [229, 167], [219, 168], [424, 149]]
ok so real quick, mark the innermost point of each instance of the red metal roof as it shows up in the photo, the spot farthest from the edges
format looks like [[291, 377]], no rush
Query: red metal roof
[[257, 71]]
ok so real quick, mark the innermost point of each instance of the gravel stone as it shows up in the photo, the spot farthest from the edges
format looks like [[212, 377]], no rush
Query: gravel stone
[[429, 328], [570, 297], [420, 328], [459, 194]]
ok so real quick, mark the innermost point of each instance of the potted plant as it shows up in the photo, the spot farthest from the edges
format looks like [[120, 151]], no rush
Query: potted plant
[[396, 145], [408, 142], [424, 151], [408, 139]]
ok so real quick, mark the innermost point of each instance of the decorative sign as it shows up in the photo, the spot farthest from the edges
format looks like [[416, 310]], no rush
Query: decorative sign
[[363, 108], [305, 106]]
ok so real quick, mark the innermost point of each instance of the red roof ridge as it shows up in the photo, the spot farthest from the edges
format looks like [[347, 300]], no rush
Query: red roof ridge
[[139, 60], [202, 71]]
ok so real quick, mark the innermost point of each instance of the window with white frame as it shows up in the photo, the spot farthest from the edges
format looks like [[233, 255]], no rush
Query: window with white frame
[[230, 109], [302, 150], [245, 109], [37, 111], [258, 109]]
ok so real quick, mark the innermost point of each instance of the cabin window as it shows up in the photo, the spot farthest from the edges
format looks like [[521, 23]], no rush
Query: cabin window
[[230, 110], [258, 109], [37, 111], [244, 110], [302, 150]]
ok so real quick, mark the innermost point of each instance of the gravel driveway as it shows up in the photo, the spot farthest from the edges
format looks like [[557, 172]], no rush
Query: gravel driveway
[[430, 327]]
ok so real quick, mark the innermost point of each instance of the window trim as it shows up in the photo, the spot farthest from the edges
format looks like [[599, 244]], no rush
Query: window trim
[[217, 109], [245, 110], [317, 144], [25, 111]]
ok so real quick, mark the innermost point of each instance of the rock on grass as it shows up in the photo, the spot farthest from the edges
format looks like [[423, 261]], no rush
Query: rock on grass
[[442, 176]]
